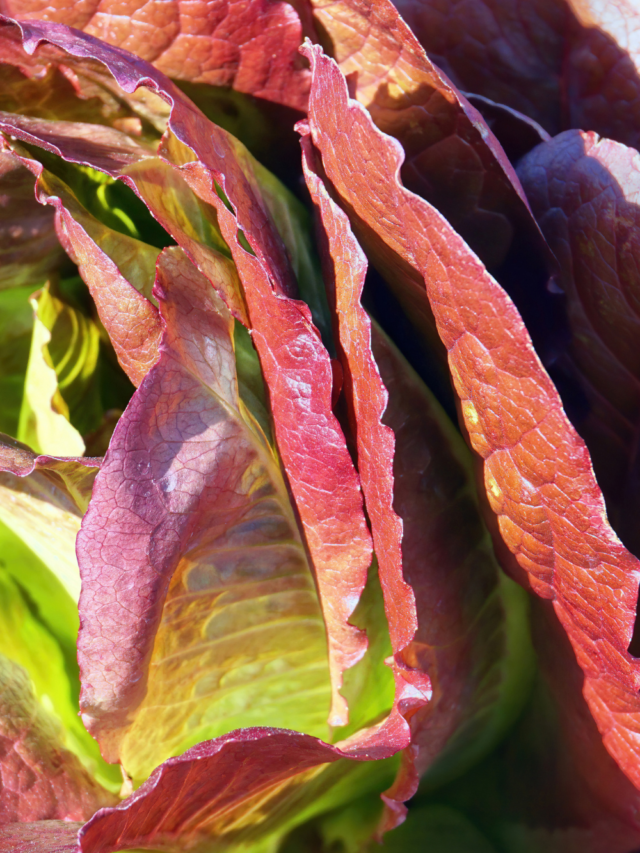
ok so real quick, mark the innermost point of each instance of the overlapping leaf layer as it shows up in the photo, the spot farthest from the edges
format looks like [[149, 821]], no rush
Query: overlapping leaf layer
[[237, 530]]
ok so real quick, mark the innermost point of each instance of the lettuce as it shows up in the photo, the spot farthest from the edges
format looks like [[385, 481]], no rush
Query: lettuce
[[259, 588]]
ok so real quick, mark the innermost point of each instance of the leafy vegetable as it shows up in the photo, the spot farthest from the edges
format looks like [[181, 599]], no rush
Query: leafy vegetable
[[278, 601]]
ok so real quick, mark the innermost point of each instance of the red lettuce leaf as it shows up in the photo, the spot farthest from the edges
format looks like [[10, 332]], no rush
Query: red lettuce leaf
[[573, 63], [509, 52], [367, 400], [47, 91], [190, 543], [118, 271], [298, 374], [43, 836], [320, 473], [537, 471], [456, 638], [584, 193], [46, 87], [29, 247], [40, 779], [252, 47], [451, 156], [476, 660], [211, 791], [110, 150]]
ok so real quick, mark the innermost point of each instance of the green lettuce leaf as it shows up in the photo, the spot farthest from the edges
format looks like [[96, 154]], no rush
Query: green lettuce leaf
[[31, 600], [16, 329]]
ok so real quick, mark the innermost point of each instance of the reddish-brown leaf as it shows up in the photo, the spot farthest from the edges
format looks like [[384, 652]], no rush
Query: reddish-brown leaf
[[345, 269], [51, 88], [423, 476], [29, 248], [212, 791], [118, 269], [298, 374], [39, 778], [295, 364], [508, 51], [537, 471], [584, 192], [572, 63], [47, 92], [43, 836], [452, 157], [461, 599], [250, 46]]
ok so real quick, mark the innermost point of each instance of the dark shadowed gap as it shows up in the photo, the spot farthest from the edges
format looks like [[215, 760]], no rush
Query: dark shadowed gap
[[634, 645], [515, 131], [111, 201], [384, 307]]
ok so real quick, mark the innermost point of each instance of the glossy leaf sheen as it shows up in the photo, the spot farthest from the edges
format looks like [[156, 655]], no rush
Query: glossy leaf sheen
[[537, 471]]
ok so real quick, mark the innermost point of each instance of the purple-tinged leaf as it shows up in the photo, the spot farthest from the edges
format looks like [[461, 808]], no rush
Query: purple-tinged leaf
[[319, 470], [565, 63], [117, 269], [72, 477], [190, 547], [585, 193], [29, 248], [471, 634], [515, 131], [345, 268], [452, 158]]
